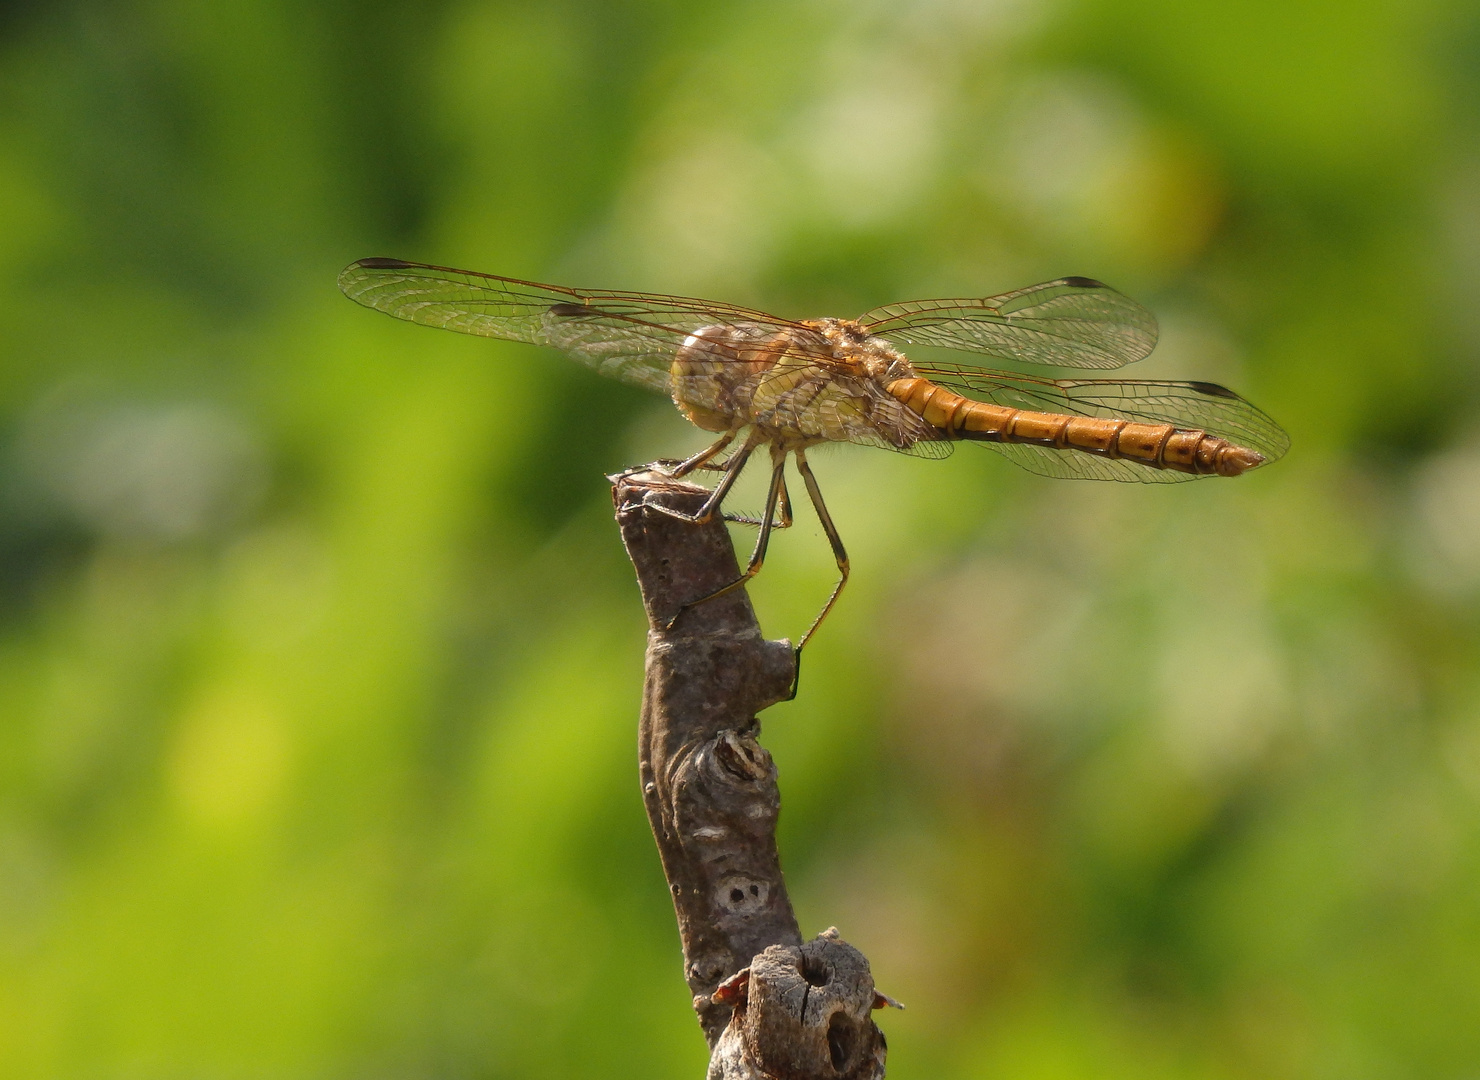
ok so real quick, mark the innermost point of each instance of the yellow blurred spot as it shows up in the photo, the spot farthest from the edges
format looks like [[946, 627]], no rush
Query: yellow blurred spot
[[230, 761], [277, 586], [1085, 165]]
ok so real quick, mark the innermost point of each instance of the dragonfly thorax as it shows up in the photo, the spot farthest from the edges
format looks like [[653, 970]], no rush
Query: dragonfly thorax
[[865, 355], [797, 382]]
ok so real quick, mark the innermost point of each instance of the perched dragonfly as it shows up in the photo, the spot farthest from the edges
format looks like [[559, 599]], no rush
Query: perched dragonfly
[[790, 385]]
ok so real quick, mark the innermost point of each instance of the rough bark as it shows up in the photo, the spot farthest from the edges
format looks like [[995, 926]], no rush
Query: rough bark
[[769, 1005]]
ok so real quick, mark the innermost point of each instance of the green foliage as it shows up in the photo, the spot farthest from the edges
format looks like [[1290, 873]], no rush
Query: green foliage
[[320, 663]]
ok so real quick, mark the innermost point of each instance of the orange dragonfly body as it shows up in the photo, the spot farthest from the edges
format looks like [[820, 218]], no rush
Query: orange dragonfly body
[[790, 385]]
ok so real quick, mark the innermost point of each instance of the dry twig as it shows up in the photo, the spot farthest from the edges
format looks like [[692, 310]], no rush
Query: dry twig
[[770, 1005]]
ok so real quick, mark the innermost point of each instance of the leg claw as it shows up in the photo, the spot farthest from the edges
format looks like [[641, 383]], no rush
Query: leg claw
[[796, 678]]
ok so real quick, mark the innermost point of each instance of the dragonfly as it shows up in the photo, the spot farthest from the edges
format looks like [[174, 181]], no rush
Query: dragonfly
[[759, 381]]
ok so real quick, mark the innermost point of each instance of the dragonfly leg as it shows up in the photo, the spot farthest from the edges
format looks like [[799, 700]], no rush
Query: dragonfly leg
[[711, 504], [716, 466], [832, 538], [782, 522], [701, 459], [758, 556]]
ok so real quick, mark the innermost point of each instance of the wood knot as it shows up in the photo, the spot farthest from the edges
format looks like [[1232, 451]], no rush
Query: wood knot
[[744, 758]]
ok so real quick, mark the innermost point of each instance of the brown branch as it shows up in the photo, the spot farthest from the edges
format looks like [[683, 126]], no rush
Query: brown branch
[[769, 1005]]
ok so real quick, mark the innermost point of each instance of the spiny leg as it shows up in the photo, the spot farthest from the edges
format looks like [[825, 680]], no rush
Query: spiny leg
[[702, 458], [703, 461], [758, 556], [732, 473], [832, 538], [783, 522], [717, 466]]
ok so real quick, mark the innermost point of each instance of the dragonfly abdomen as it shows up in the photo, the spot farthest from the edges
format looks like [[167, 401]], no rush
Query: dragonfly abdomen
[[1158, 446]]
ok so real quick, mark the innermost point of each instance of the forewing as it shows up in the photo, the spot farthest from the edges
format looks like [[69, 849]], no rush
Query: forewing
[[624, 335], [1072, 322], [1187, 405]]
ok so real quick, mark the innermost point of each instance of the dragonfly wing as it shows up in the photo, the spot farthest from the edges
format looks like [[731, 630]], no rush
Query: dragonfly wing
[[1070, 465], [927, 446], [1072, 322], [1187, 405], [624, 335], [621, 350], [862, 415]]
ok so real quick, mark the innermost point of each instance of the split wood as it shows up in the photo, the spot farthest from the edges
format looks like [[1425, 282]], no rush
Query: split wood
[[771, 1006]]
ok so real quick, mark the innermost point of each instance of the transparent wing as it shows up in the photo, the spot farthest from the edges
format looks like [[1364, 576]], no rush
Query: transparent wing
[[930, 442], [1187, 405], [623, 335], [1072, 322], [856, 411]]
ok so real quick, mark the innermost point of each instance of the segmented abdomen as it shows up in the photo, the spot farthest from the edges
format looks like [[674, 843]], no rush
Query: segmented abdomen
[[1158, 446]]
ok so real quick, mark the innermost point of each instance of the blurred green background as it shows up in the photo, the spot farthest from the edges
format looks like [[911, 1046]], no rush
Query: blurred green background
[[320, 660]]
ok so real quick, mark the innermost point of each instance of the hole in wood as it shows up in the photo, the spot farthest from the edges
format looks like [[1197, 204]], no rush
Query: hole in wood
[[740, 894], [840, 1041], [815, 971]]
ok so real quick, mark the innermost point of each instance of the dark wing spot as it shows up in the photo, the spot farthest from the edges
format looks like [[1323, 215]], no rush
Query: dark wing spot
[[569, 309], [1212, 389], [1084, 283], [384, 264]]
